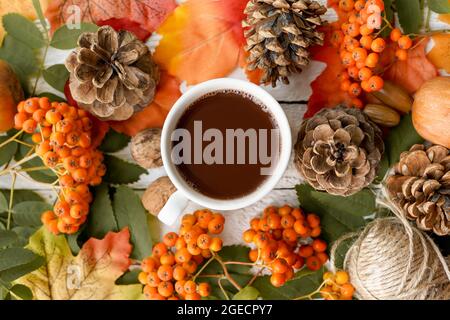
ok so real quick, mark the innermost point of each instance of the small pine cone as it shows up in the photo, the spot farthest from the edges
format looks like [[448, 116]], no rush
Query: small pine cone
[[112, 74], [339, 151], [279, 35], [421, 187]]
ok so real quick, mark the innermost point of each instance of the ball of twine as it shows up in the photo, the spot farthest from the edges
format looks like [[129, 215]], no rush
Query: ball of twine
[[392, 260]]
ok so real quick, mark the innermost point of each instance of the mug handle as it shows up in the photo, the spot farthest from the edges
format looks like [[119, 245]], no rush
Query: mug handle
[[173, 208]]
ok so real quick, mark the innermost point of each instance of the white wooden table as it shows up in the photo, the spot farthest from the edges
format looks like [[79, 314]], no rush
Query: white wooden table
[[293, 99]]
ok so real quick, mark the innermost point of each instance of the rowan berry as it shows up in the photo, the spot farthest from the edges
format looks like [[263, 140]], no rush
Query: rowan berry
[[395, 34], [290, 235], [347, 291], [287, 221], [378, 45], [204, 289], [278, 279], [216, 244], [364, 74], [313, 263], [401, 54], [190, 287], [66, 181], [405, 42], [375, 83], [50, 159], [165, 289], [366, 42], [47, 217], [216, 226], [194, 249], [254, 224], [159, 249], [365, 30], [305, 251], [253, 255], [53, 116], [29, 126], [323, 257], [319, 245], [79, 210], [341, 277], [182, 255], [179, 287], [169, 239], [31, 105], [167, 259], [279, 266], [346, 5]]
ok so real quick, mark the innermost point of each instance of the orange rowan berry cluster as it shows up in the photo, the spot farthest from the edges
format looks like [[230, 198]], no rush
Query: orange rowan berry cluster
[[360, 46], [62, 135], [337, 286], [169, 273], [286, 240]]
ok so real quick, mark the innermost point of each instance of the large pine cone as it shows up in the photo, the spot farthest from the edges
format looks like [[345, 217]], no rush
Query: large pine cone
[[279, 34], [112, 74], [339, 151], [421, 187]]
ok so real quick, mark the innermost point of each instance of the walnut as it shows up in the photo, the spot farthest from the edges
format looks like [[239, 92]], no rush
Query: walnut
[[157, 195], [146, 148]]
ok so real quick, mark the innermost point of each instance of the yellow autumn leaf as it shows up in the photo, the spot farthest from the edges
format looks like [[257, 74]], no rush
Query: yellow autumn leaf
[[89, 276], [23, 7]]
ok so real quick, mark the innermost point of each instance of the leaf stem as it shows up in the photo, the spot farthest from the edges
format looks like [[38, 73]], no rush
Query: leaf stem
[[11, 201], [203, 268], [11, 139], [219, 282], [226, 273]]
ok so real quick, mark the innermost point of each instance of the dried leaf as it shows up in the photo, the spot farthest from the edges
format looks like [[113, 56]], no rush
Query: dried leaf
[[202, 40], [148, 14], [440, 54], [154, 115], [89, 276], [23, 7], [413, 72]]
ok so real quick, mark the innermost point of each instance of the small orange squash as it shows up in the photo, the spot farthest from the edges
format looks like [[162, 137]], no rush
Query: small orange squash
[[431, 111], [11, 94]]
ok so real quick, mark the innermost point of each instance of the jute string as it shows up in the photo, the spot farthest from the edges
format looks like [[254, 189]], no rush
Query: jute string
[[393, 260]]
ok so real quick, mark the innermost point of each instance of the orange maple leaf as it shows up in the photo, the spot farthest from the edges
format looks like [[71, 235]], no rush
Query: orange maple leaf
[[202, 40], [413, 72], [149, 14], [326, 88], [155, 114]]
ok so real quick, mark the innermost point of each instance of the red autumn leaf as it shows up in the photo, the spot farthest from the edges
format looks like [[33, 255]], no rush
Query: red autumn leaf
[[148, 14], [202, 40], [326, 88], [125, 24], [413, 72], [155, 114]]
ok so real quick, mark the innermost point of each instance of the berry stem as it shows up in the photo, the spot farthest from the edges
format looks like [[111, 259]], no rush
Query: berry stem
[[11, 200], [203, 268], [23, 143], [226, 273], [11, 139], [311, 295], [219, 282], [255, 276], [17, 164]]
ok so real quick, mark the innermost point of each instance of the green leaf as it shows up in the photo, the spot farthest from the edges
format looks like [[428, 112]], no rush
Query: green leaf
[[114, 142], [40, 14], [24, 234], [17, 262], [8, 151], [28, 213], [296, 288], [7, 238], [121, 172], [247, 293], [339, 215], [43, 176], [400, 139], [101, 217], [23, 30], [21, 291], [130, 213], [56, 76], [439, 6], [3, 203], [22, 195], [130, 277], [52, 97], [65, 38], [409, 15], [24, 64]]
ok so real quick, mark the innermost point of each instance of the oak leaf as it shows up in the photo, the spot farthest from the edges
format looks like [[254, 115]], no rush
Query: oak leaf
[[155, 114], [440, 54], [202, 40], [147, 13], [23, 7], [89, 276]]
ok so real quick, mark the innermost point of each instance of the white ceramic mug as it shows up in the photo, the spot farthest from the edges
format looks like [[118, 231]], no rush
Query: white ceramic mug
[[179, 200]]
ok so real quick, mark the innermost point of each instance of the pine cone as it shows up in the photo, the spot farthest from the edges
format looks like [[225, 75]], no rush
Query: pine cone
[[279, 34], [339, 150], [112, 74], [421, 187]]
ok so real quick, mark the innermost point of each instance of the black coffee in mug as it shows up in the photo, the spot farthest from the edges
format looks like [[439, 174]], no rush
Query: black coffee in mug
[[226, 144]]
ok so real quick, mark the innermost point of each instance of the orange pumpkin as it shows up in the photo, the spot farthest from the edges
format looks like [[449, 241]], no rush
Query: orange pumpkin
[[431, 111], [11, 94]]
